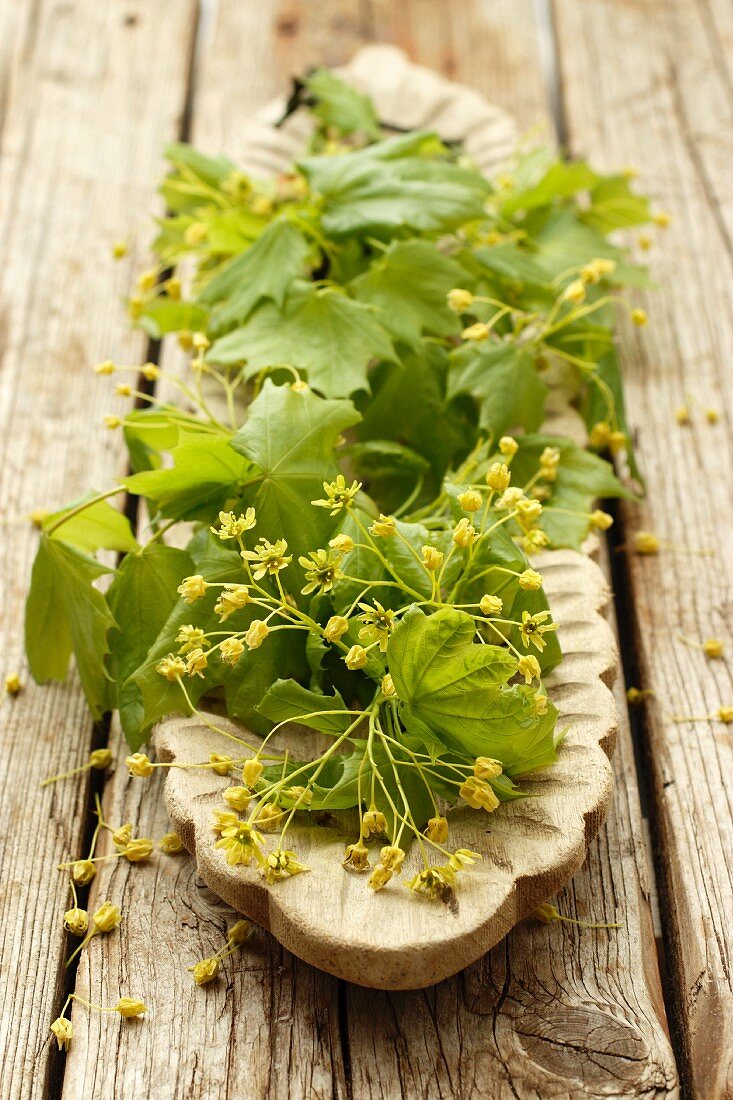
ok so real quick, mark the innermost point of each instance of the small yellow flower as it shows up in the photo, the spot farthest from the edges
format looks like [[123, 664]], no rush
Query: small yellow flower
[[190, 638], [356, 658], [464, 534], [388, 687], [335, 628], [171, 844], [712, 416], [491, 605], [300, 795], [533, 627], [138, 849], [594, 271], [200, 341], [508, 446], [146, 281], [357, 856], [498, 476], [192, 588], [123, 389], [281, 864], [639, 317], [645, 543], [725, 714], [241, 842], [644, 242], [269, 818], [300, 386], [205, 971], [485, 767], [63, 1032], [661, 218], [150, 372], [76, 921], [130, 1007], [112, 422], [600, 520], [546, 913], [322, 571], [172, 288], [434, 882], [196, 662], [378, 625], [223, 819], [437, 830], [256, 634], [600, 434], [384, 527], [268, 558], [535, 540], [460, 300], [530, 580], [682, 415], [119, 250], [476, 333], [540, 704], [107, 367], [379, 877], [373, 821], [529, 511], [231, 526], [392, 858], [239, 933], [238, 798], [470, 501], [529, 667], [713, 647], [634, 696], [139, 764], [342, 544], [231, 649], [478, 794], [233, 597], [172, 667], [575, 292], [432, 558], [251, 771], [339, 495], [185, 340], [106, 918]]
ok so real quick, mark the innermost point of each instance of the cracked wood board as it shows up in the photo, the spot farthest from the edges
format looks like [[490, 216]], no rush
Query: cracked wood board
[[392, 940]]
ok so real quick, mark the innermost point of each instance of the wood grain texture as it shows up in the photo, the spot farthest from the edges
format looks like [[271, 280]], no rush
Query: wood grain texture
[[669, 110], [79, 143]]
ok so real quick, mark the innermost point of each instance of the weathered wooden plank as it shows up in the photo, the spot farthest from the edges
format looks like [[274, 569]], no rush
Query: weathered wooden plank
[[550, 1012], [79, 143], [270, 1025], [668, 109]]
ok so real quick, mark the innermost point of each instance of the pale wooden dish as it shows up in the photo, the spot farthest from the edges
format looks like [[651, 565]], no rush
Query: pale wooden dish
[[530, 848]]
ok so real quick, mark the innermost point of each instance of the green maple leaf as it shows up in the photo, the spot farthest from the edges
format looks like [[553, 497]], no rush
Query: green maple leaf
[[99, 526], [394, 186], [290, 436], [504, 380], [340, 107], [319, 331], [265, 270], [288, 701], [207, 473], [458, 690], [409, 284], [65, 614]]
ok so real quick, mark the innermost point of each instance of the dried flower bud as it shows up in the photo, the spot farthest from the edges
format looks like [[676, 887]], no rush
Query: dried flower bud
[[220, 765], [100, 759], [470, 501], [238, 798], [83, 871], [432, 558], [485, 767], [205, 971], [464, 534], [357, 856], [171, 844], [491, 605], [139, 764], [121, 837], [76, 921], [63, 1031], [139, 849], [107, 917], [251, 771], [437, 830], [130, 1007], [379, 877], [373, 821], [240, 931], [392, 858], [478, 794]]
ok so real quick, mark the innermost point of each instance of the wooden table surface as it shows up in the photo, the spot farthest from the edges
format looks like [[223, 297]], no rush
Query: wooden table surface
[[90, 90]]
